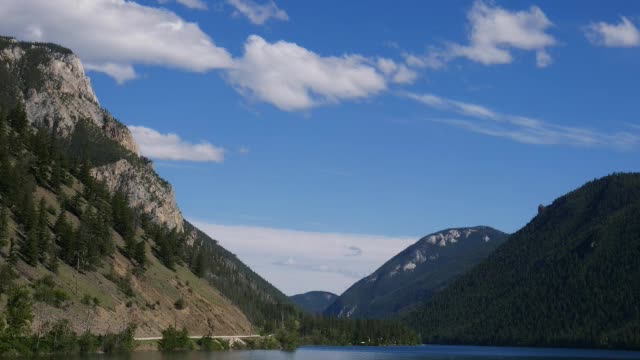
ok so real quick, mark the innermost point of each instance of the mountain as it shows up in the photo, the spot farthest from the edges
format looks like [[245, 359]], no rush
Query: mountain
[[570, 277], [417, 273], [314, 302], [89, 226]]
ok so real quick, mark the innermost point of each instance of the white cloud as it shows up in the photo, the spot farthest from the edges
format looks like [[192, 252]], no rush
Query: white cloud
[[171, 147], [397, 73], [299, 261], [113, 35], [494, 33], [120, 73], [623, 34], [482, 120], [294, 78], [257, 13]]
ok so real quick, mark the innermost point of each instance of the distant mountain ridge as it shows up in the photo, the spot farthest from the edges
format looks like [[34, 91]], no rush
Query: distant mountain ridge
[[416, 273], [570, 277], [314, 302]]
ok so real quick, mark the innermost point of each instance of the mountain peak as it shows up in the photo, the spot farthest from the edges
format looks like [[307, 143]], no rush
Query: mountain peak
[[417, 272]]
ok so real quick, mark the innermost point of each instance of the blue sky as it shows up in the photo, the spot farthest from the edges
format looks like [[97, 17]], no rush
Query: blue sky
[[330, 126]]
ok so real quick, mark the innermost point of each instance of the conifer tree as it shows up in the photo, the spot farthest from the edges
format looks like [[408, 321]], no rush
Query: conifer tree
[[4, 225], [140, 254], [65, 238], [30, 247], [4, 135], [42, 227], [13, 253], [18, 314], [18, 118]]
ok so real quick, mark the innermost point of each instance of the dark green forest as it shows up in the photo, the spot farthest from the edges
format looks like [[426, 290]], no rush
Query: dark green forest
[[571, 277]]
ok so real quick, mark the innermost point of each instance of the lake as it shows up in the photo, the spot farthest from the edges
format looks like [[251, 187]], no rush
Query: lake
[[435, 352]]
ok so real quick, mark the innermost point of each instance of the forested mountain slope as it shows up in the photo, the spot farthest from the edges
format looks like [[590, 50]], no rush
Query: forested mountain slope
[[314, 302], [570, 277], [91, 230], [416, 273]]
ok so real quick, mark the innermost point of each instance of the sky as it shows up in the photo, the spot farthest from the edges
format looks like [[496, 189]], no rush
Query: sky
[[317, 139]]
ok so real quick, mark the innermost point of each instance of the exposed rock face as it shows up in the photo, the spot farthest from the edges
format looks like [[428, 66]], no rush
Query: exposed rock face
[[56, 92], [65, 96], [145, 189]]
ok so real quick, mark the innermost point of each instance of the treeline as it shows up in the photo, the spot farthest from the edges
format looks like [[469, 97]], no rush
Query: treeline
[[317, 330], [306, 330]]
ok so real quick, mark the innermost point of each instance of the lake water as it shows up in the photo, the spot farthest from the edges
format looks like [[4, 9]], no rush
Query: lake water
[[386, 353]]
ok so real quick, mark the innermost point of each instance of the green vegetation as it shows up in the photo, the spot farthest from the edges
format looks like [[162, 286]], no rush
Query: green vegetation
[[174, 339], [317, 330], [570, 277]]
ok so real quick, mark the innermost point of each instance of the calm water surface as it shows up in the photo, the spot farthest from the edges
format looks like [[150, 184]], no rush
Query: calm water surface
[[387, 353]]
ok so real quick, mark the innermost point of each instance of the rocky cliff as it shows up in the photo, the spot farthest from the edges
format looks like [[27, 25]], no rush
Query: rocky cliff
[[145, 189], [51, 82]]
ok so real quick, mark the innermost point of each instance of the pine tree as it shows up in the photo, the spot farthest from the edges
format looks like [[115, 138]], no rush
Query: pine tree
[[4, 135], [65, 238], [140, 254], [42, 226], [30, 247], [18, 118], [13, 253], [4, 225], [18, 313]]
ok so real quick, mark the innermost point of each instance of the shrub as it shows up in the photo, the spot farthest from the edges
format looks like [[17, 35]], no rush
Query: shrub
[[180, 304], [119, 343], [88, 343], [46, 292], [207, 343], [173, 339], [61, 339]]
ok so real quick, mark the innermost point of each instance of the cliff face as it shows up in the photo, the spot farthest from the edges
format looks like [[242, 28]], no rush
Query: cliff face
[[145, 189], [62, 94], [52, 83]]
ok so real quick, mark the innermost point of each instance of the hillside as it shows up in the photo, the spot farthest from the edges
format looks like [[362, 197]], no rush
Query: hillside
[[417, 273], [314, 302], [570, 277], [91, 229]]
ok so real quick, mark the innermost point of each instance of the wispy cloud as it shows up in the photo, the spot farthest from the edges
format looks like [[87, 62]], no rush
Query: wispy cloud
[[298, 261], [292, 264], [526, 130], [191, 4], [494, 33], [622, 34], [259, 13], [156, 145]]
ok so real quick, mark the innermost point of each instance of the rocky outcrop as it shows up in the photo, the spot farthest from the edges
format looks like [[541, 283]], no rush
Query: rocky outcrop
[[146, 191], [51, 82], [62, 94]]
